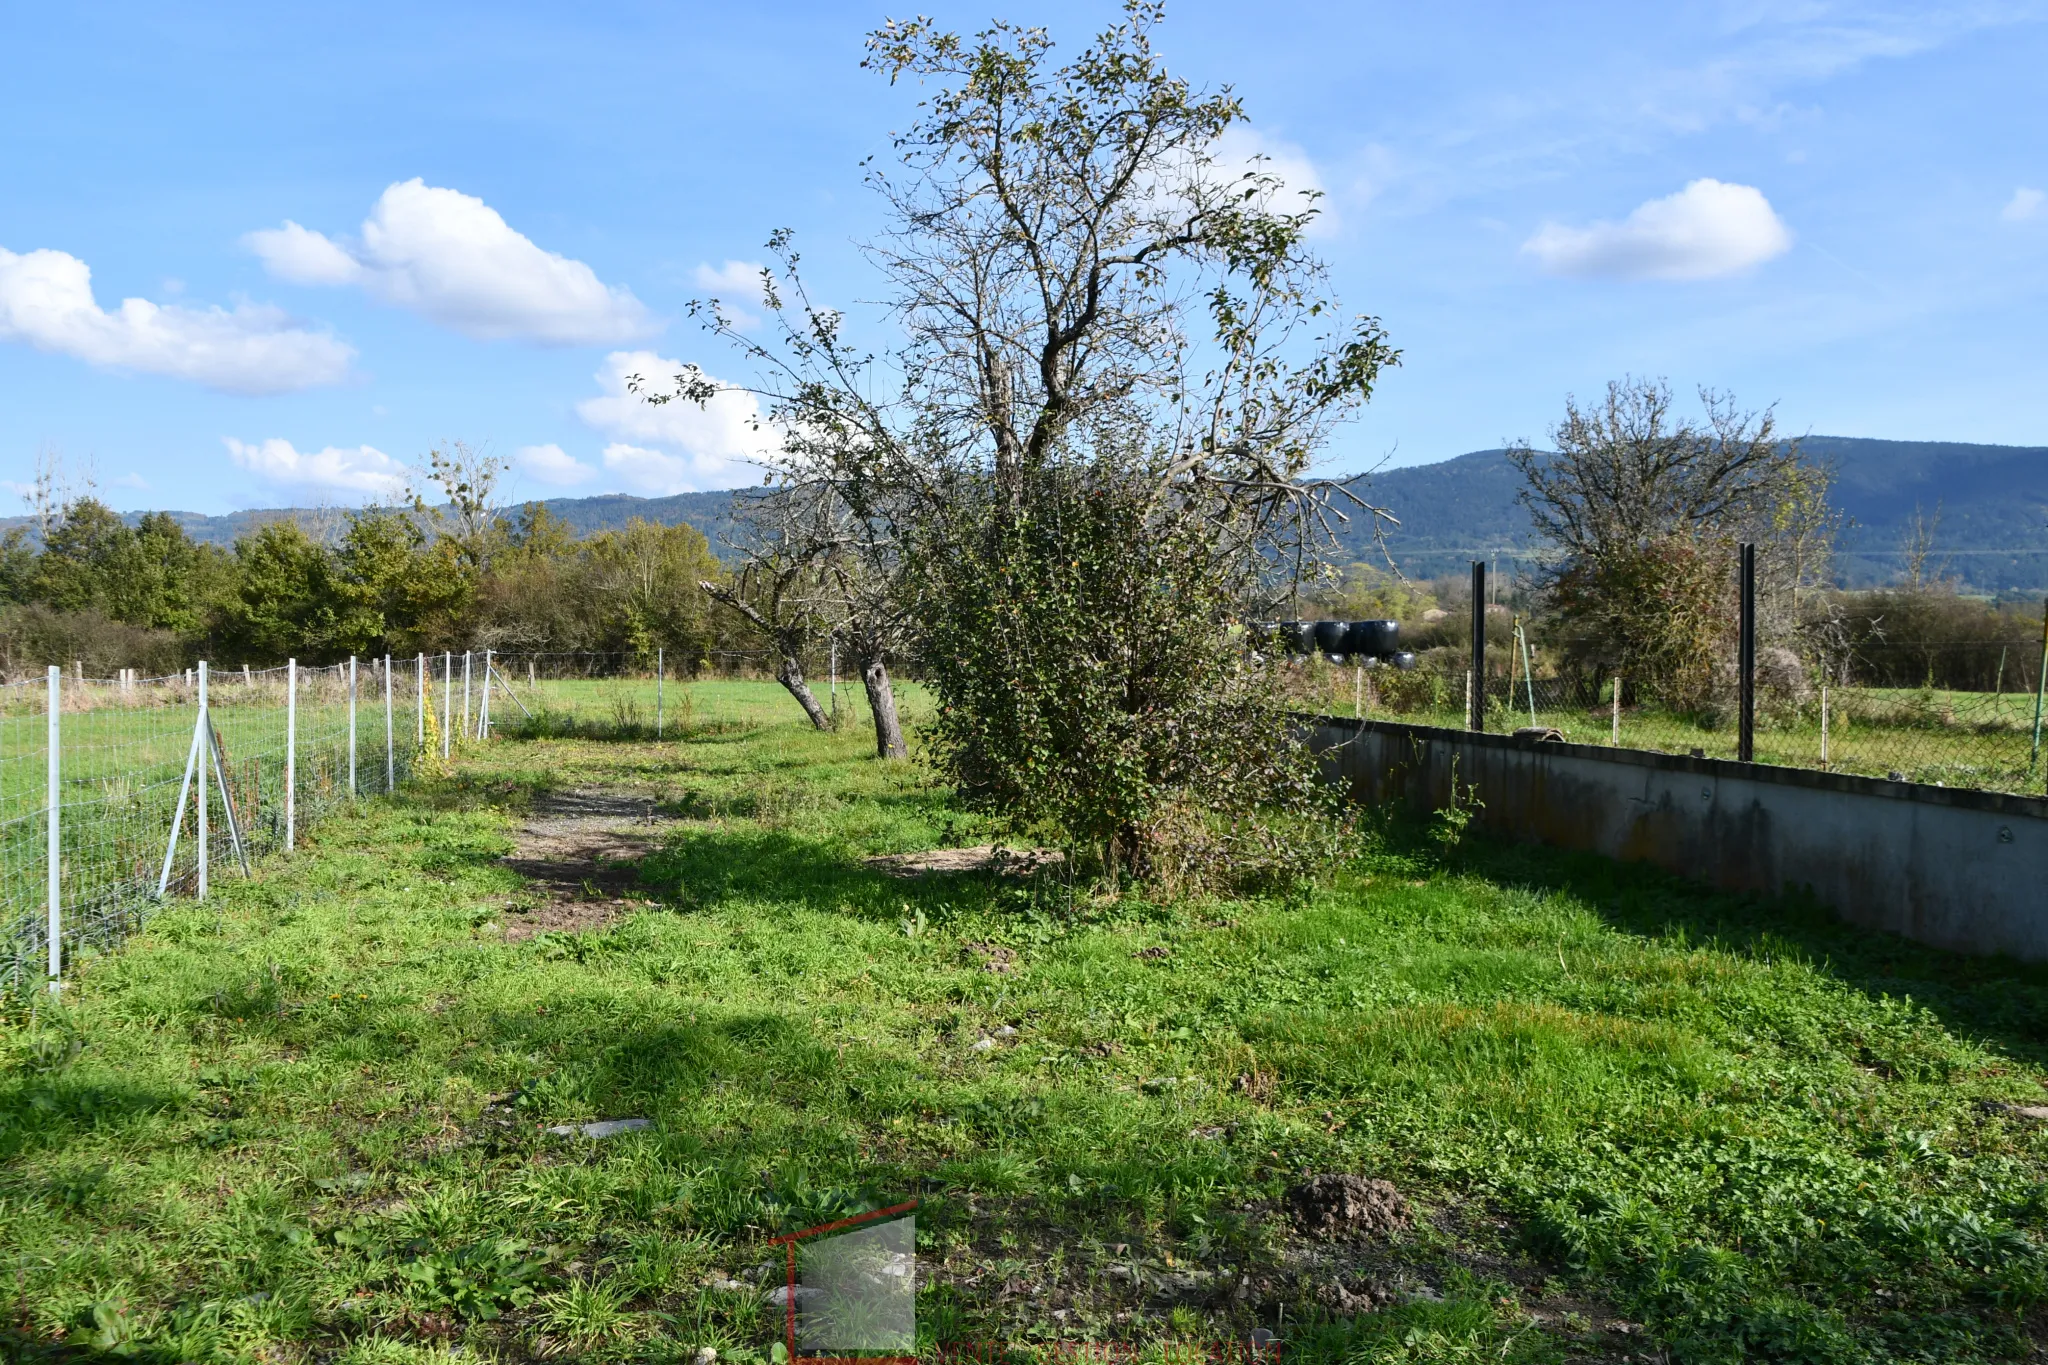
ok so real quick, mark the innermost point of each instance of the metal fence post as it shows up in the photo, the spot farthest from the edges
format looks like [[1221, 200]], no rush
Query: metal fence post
[[419, 670], [2040, 692], [1745, 654], [658, 677], [390, 749], [1617, 710], [447, 699], [1476, 720], [291, 751], [205, 743], [465, 692], [56, 843], [351, 725], [483, 719], [1823, 727]]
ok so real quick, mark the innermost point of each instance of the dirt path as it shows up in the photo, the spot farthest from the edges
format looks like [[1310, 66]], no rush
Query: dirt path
[[580, 852]]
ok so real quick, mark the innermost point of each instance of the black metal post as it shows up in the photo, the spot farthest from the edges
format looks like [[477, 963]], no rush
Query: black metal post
[[1745, 657], [1476, 719]]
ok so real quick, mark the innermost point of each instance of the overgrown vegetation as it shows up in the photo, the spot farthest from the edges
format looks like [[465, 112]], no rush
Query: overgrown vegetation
[[305, 1121], [1090, 453]]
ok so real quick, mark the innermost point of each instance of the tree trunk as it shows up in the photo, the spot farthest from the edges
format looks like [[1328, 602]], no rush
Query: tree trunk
[[874, 675], [791, 676]]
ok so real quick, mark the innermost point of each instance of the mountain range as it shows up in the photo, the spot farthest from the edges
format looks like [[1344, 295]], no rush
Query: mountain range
[[1991, 503]]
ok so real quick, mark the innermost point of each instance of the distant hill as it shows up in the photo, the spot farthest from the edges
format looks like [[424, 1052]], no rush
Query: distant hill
[[1993, 502], [708, 512]]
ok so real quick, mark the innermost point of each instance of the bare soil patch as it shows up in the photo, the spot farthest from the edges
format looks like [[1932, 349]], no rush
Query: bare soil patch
[[581, 852], [1003, 862], [1342, 1205]]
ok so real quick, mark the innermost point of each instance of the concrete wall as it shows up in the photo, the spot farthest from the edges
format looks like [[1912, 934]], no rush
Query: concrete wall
[[1956, 869]]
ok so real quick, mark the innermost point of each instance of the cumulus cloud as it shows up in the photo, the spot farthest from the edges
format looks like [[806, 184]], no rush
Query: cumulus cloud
[[1706, 230], [46, 300], [553, 465], [2024, 204], [1242, 150], [451, 258], [677, 447], [736, 285], [351, 471]]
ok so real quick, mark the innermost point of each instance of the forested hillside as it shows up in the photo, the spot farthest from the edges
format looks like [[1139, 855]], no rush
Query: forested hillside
[[1992, 503]]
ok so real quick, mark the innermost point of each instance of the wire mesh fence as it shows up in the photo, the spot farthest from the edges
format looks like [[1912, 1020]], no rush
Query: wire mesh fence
[[639, 696], [132, 789], [1839, 715], [117, 792]]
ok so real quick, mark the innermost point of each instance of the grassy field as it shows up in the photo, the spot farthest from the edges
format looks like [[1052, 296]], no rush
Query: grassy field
[[1958, 739], [1631, 1119]]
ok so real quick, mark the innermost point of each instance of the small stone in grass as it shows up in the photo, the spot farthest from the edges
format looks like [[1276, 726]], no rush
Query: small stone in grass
[[983, 1046], [1006, 1032], [604, 1128]]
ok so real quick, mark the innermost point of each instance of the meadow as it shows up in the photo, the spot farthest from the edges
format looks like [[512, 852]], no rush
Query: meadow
[[1628, 1118]]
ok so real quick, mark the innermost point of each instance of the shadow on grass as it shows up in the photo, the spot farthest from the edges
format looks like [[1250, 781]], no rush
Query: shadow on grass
[[54, 1110], [706, 868], [1997, 1000]]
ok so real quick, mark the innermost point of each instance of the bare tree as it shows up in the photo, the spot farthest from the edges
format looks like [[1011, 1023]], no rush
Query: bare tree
[[1917, 547], [1091, 300], [468, 478], [1645, 505], [776, 589]]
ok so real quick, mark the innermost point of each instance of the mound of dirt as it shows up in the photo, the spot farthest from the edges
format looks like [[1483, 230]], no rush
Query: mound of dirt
[[1340, 1205]]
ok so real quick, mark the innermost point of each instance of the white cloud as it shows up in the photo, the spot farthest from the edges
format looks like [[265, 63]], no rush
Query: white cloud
[[1237, 153], [677, 447], [553, 465], [1706, 230], [2024, 204], [651, 472], [354, 471], [303, 256], [46, 300], [737, 286], [451, 258]]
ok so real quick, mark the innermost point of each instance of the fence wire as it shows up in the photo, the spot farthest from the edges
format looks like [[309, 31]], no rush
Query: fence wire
[[634, 696], [284, 752], [1840, 715]]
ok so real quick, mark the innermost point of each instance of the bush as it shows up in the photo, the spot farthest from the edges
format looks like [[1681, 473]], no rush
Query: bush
[[33, 637]]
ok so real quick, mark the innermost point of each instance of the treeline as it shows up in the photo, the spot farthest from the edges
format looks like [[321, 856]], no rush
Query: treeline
[[93, 589], [1929, 634]]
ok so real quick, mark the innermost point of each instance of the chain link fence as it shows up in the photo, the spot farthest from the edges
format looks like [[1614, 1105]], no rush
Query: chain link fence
[[118, 792]]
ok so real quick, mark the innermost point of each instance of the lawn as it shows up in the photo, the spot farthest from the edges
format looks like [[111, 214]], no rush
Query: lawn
[[305, 1121], [1956, 739]]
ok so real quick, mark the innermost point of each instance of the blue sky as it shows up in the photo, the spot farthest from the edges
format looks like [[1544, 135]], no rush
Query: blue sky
[[501, 209]]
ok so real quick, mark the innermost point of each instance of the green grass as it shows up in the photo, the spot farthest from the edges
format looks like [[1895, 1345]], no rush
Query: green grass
[[1958, 739], [303, 1121]]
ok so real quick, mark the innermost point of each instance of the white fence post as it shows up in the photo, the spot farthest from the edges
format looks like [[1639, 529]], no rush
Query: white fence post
[[1617, 710], [291, 752], [419, 669], [465, 692], [447, 699], [660, 675], [56, 847], [351, 725], [483, 720], [205, 743], [390, 749]]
